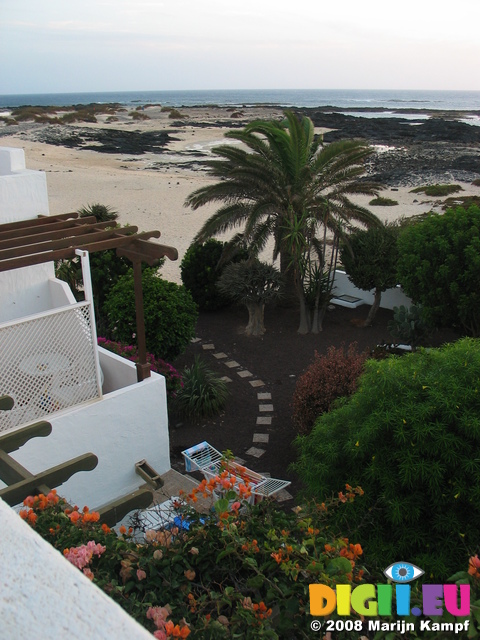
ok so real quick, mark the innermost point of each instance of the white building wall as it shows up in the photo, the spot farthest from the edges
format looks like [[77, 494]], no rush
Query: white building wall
[[390, 298], [23, 193], [44, 596], [125, 427]]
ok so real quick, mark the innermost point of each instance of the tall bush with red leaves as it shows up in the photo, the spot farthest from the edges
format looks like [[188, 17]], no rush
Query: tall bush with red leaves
[[329, 377]]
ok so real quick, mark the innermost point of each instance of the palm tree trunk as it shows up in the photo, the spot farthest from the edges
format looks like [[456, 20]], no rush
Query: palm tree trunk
[[289, 298], [374, 308]]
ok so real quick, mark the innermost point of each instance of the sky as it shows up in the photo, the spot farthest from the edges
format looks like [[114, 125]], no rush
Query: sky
[[59, 46]]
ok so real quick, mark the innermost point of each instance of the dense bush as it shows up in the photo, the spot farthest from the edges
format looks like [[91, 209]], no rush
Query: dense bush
[[200, 271], [330, 376], [169, 311], [410, 437], [383, 202], [173, 379], [369, 257], [439, 267]]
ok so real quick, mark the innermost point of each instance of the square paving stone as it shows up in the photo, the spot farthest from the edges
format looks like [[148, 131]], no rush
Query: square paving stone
[[208, 347], [261, 437], [257, 383], [226, 379], [244, 374], [220, 355], [264, 396], [283, 496], [195, 340], [264, 420], [256, 453], [265, 407], [231, 364]]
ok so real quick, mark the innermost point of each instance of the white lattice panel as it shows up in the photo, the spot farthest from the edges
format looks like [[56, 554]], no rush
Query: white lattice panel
[[47, 364]]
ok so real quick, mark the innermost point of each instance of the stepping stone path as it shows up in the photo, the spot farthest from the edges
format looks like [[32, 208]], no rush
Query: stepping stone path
[[264, 407]]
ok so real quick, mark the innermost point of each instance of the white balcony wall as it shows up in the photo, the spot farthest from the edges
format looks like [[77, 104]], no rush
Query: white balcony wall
[[23, 193], [391, 298], [37, 578], [126, 426], [118, 372]]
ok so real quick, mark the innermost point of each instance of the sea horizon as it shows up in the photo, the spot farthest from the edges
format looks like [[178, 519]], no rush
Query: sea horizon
[[383, 100]]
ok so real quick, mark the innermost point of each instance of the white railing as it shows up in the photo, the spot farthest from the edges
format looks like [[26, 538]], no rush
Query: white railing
[[48, 363]]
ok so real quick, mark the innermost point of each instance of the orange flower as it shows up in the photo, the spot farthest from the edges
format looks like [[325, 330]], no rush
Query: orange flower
[[123, 530], [105, 528], [31, 517], [23, 514], [75, 517]]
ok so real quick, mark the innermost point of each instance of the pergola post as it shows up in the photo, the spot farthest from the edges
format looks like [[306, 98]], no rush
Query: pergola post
[[143, 368]]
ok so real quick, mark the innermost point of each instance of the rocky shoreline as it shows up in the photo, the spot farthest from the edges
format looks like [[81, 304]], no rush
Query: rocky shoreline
[[411, 151]]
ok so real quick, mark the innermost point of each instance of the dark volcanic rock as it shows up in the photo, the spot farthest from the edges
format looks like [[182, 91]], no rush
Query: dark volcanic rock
[[105, 140], [395, 130]]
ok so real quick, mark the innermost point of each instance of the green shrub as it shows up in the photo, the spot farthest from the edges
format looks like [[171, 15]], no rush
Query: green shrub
[[329, 377], [169, 311], [200, 271], [408, 326], [410, 438], [476, 182], [383, 202], [102, 212], [369, 257], [175, 113], [439, 268], [203, 393], [438, 189]]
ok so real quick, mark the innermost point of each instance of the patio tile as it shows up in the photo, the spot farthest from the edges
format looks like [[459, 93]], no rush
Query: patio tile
[[265, 407], [226, 379], [256, 453], [208, 347], [264, 420], [195, 340], [261, 437], [264, 396], [257, 383], [220, 355], [245, 374], [231, 364], [283, 496]]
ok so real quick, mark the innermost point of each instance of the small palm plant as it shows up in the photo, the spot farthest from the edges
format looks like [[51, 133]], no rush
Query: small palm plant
[[203, 395]]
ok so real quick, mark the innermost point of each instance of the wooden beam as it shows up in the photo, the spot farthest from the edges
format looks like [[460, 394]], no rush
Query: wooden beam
[[53, 477], [13, 440], [5, 234], [113, 512], [89, 238], [153, 250], [34, 238], [32, 222], [143, 368]]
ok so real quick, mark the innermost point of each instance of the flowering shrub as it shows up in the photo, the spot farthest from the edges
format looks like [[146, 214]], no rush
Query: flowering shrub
[[329, 377], [237, 571], [172, 378]]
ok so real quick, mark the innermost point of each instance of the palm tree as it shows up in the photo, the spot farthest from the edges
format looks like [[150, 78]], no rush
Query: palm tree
[[285, 184]]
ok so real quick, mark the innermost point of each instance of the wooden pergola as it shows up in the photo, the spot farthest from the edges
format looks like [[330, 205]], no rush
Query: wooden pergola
[[48, 238]]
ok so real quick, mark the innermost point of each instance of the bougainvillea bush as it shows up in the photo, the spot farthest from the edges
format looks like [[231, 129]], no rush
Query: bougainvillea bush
[[329, 377], [172, 378], [238, 571]]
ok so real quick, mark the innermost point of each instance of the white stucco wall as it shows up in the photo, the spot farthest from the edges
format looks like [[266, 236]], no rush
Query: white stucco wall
[[23, 193], [44, 596], [123, 428], [390, 298]]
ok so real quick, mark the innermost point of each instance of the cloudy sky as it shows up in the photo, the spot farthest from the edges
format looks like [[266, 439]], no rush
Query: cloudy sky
[[129, 45]]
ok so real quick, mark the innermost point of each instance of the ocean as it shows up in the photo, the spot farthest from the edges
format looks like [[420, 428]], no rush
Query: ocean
[[345, 99]]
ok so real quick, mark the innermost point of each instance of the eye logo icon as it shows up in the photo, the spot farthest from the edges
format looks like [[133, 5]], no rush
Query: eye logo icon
[[403, 572]]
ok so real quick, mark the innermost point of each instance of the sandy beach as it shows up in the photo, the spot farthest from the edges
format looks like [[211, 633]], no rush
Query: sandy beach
[[149, 190]]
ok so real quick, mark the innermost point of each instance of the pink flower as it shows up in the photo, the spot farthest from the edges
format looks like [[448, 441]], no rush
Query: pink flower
[[160, 634], [141, 575]]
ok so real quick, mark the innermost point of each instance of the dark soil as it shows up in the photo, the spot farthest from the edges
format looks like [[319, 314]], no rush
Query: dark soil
[[278, 359]]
